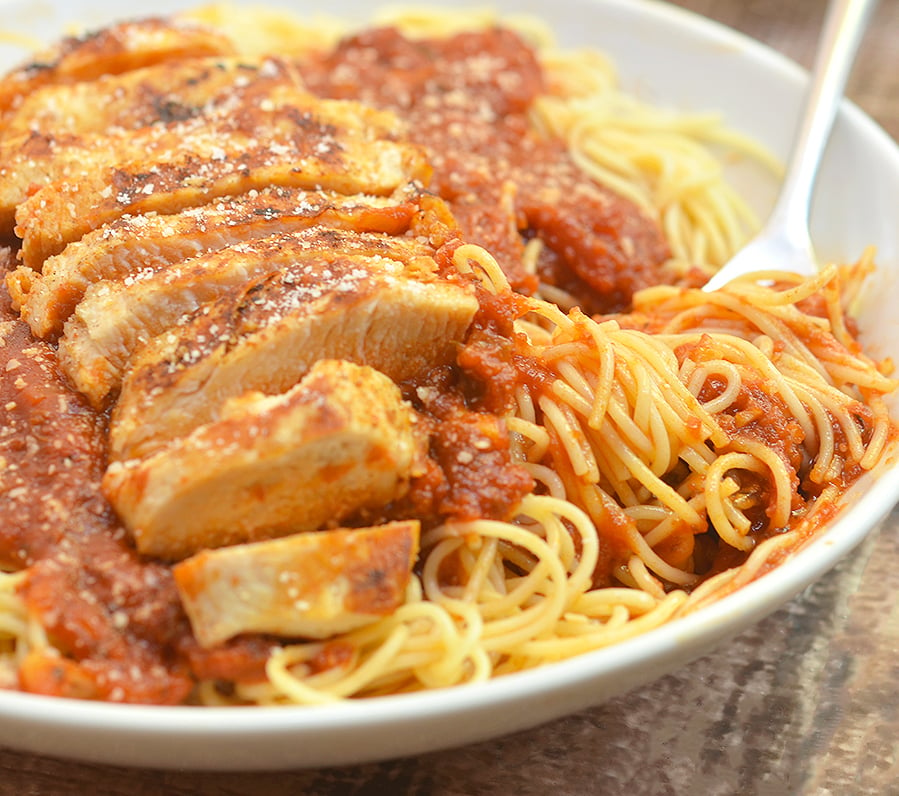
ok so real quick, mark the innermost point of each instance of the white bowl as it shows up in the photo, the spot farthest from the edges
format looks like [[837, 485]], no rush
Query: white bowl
[[673, 58]]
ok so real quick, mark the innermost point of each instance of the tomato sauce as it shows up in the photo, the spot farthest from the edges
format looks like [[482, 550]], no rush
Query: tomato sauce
[[112, 612], [465, 99]]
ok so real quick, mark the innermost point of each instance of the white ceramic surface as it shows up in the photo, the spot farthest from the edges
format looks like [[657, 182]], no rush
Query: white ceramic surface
[[671, 57]]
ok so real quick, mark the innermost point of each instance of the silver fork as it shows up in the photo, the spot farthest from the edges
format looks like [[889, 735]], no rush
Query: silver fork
[[784, 243]]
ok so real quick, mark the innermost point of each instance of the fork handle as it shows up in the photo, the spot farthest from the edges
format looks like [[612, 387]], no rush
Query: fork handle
[[841, 35]]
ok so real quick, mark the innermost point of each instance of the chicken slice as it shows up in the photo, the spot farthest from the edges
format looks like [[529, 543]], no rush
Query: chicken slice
[[267, 336], [133, 245], [162, 93], [113, 50], [309, 585], [340, 441], [274, 136], [39, 157], [114, 319]]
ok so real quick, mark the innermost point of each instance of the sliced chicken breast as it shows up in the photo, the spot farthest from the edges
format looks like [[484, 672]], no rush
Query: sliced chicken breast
[[38, 157], [282, 136], [162, 93], [268, 336], [115, 319], [134, 246], [340, 441], [310, 585], [112, 50]]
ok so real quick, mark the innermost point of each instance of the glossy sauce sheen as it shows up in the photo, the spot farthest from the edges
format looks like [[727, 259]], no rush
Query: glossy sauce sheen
[[99, 602]]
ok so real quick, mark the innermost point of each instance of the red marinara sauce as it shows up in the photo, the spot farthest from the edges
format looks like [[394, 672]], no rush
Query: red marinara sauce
[[465, 99], [111, 614]]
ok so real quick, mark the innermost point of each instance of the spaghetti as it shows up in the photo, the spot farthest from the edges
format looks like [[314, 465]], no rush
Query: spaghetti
[[677, 450], [631, 448]]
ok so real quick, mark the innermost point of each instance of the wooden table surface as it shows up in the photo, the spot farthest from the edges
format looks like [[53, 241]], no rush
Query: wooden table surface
[[806, 702]]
